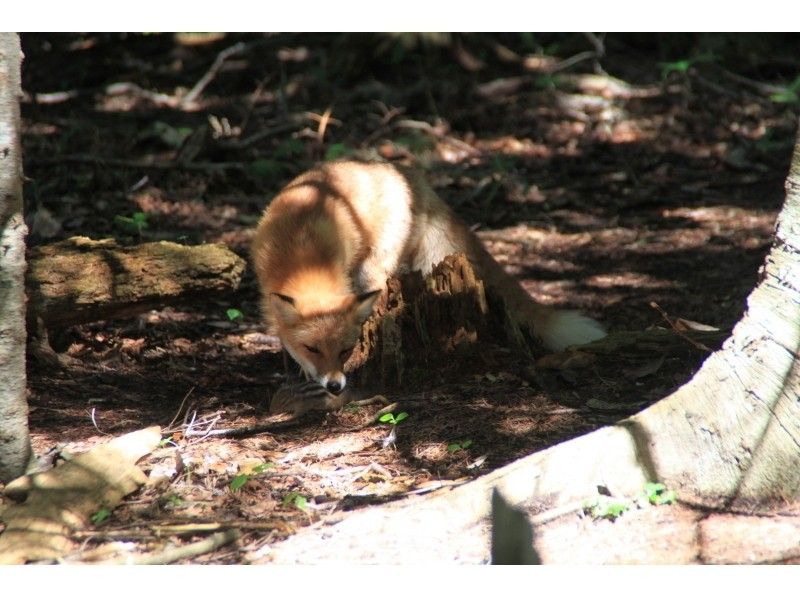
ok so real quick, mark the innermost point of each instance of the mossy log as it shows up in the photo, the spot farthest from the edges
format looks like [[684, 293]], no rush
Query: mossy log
[[82, 280]]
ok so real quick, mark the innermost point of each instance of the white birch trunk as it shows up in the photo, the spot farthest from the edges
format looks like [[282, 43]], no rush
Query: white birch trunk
[[15, 450]]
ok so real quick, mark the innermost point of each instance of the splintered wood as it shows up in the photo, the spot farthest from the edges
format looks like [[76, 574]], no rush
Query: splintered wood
[[421, 321]]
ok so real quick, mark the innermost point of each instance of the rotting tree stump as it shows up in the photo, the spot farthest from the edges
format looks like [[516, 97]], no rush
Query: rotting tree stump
[[81, 280], [423, 322]]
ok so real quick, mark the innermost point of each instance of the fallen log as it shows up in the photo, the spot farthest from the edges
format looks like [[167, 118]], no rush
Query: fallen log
[[81, 280]]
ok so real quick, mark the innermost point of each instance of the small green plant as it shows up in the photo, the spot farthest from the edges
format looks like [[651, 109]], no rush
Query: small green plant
[[391, 418], [789, 95], [241, 479], [454, 447], [683, 66], [234, 314], [296, 499], [102, 515], [657, 494], [133, 225], [604, 507], [173, 500]]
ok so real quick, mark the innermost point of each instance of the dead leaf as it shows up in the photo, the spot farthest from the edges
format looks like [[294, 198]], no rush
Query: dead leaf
[[683, 325], [56, 502]]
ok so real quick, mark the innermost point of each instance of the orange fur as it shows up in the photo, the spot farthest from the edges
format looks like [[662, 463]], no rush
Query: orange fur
[[331, 238]]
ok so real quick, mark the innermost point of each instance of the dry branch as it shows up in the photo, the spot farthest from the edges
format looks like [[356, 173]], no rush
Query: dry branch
[[81, 280]]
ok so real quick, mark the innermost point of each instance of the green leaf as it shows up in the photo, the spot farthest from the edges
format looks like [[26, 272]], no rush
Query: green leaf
[[466, 444], [100, 516], [679, 66], [131, 225], [657, 494], [653, 488], [605, 508], [263, 467], [174, 500], [296, 499], [386, 417], [234, 314], [301, 502], [455, 446], [787, 96], [400, 417], [239, 481]]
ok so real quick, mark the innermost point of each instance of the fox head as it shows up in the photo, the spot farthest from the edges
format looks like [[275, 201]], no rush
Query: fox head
[[322, 341]]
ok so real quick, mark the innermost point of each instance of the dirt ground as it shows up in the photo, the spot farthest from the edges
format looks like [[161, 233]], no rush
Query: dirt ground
[[603, 185]]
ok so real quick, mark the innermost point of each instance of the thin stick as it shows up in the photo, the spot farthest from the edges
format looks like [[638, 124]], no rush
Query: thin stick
[[263, 134], [246, 430], [675, 329], [210, 544], [180, 409], [198, 88]]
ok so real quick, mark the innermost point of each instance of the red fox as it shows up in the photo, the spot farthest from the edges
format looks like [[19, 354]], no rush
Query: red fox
[[328, 242]]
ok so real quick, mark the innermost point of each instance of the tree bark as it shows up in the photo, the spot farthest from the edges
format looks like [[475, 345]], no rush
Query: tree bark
[[730, 437], [15, 448], [81, 280], [422, 323]]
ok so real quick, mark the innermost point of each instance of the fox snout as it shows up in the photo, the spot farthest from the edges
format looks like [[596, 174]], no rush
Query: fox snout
[[334, 384]]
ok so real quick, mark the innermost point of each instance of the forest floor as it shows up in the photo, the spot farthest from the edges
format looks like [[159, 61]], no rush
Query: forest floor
[[651, 182]]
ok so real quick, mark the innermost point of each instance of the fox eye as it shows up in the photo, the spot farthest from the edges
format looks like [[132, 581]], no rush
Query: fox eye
[[346, 352], [312, 349]]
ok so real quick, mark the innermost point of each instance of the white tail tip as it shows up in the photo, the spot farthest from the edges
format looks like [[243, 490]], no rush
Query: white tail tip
[[566, 328]]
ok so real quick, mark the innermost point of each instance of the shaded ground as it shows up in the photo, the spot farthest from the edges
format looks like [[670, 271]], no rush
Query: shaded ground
[[601, 193]]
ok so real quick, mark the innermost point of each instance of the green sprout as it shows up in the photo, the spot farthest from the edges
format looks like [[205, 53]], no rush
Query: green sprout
[[683, 66], [604, 507], [102, 515], [390, 418], [454, 447], [789, 95], [234, 314], [133, 225], [296, 499], [241, 479], [657, 494], [174, 500]]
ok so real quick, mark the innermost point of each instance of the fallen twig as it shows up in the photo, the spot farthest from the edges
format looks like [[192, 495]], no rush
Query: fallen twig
[[263, 134], [677, 330], [246, 430], [210, 544], [198, 88], [180, 408]]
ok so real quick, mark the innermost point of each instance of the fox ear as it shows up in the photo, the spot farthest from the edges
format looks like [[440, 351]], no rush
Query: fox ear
[[283, 307], [362, 307]]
